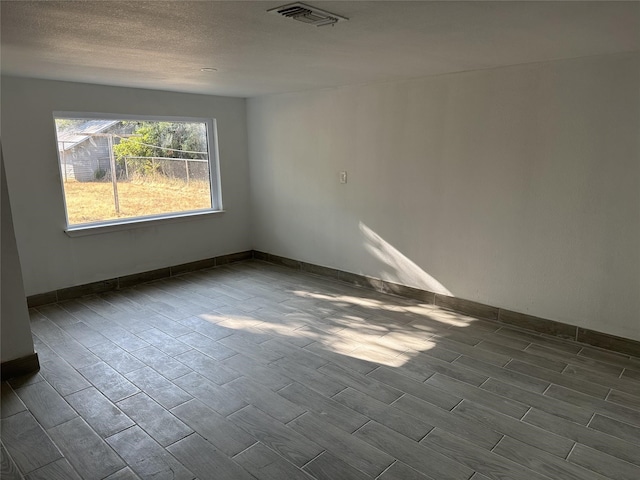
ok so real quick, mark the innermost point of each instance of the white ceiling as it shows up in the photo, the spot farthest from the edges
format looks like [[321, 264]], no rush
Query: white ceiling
[[163, 45]]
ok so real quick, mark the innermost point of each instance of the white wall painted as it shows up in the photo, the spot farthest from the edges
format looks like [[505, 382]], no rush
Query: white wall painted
[[51, 259], [14, 317], [517, 187]]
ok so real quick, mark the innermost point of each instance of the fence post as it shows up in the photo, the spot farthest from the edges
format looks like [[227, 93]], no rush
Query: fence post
[[186, 167], [114, 180]]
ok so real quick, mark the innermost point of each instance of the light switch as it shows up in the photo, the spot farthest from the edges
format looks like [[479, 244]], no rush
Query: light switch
[[343, 177]]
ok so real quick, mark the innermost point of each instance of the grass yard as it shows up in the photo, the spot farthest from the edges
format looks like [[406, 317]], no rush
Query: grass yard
[[93, 201]]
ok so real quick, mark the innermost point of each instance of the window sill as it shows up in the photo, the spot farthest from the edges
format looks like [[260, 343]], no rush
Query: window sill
[[131, 223]]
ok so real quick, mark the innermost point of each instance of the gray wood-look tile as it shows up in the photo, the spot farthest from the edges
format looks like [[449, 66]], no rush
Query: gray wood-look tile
[[117, 358], [265, 464], [483, 397], [402, 471], [573, 359], [46, 404], [213, 427], [479, 476], [75, 354], [267, 375], [10, 403], [384, 414], [85, 450], [570, 411], [220, 398], [158, 387], [207, 367], [280, 438], [421, 458], [102, 415], [27, 442], [162, 363], [365, 384], [202, 458], [310, 355], [421, 363], [146, 457], [206, 345], [8, 468], [537, 437], [239, 344], [329, 467], [124, 474], [607, 380], [631, 374], [624, 399], [523, 355], [332, 411], [84, 334], [616, 428], [488, 356], [472, 431], [113, 385], [155, 420], [269, 402], [206, 328], [57, 315], [224, 357], [603, 464], [503, 374], [166, 343], [309, 377], [347, 447], [170, 327], [539, 339], [604, 407], [62, 376], [539, 461], [416, 388], [23, 380], [614, 358], [122, 337], [346, 362], [438, 351], [58, 470], [586, 436], [488, 463], [567, 381]]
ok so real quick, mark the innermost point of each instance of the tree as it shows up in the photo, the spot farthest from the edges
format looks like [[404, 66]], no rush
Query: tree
[[161, 139]]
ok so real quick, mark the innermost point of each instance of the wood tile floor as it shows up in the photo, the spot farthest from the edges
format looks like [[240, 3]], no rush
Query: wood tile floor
[[256, 371]]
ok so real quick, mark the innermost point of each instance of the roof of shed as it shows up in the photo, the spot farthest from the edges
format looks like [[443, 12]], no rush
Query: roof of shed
[[68, 140]]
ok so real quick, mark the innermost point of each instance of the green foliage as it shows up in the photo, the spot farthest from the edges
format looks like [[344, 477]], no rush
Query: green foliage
[[160, 139]]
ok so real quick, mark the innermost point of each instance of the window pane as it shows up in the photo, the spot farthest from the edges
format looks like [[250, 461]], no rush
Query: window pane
[[121, 169]]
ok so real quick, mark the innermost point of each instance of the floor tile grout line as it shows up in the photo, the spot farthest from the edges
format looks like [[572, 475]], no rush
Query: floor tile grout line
[[244, 450], [385, 470], [307, 463]]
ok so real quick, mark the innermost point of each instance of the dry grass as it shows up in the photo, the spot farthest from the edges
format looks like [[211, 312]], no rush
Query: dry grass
[[93, 201]]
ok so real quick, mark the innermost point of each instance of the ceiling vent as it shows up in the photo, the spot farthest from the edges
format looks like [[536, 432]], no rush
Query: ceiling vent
[[308, 14]]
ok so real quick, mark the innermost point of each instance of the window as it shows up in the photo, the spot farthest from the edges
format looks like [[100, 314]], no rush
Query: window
[[121, 169]]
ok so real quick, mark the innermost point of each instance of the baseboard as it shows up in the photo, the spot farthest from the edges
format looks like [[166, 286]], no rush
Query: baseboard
[[20, 366], [134, 279], [468, 307]]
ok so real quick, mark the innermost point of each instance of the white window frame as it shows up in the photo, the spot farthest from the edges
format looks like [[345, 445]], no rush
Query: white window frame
[[141, 221]]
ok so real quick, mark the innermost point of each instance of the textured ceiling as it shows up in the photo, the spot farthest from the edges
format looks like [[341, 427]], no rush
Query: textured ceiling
[[163, 45]]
